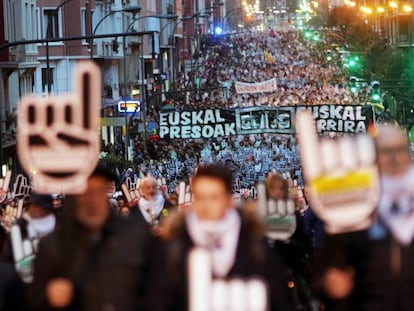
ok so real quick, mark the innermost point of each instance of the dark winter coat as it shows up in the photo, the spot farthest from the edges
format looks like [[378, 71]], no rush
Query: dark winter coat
[[13, 289], [108, 272], [168, 289], [137, 215], [384, 270]]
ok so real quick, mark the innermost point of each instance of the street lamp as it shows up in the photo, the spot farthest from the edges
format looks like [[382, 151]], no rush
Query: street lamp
[[366, 10], [142, 91], [407, 8], [380, 10], [135, 20], [393, 5], [131, 9], [201, 14]]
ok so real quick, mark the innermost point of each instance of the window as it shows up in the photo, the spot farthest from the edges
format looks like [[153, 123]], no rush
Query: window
[[47, 77], [39, 33], [83, 22], [51, 23]]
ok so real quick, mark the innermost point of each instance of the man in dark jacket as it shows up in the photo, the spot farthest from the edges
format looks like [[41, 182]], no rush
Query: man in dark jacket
[[235, 242], [95, 260], [374, 269]]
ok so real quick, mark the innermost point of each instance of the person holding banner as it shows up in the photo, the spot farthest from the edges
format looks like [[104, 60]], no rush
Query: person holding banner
[[235, 241], [374, 269]]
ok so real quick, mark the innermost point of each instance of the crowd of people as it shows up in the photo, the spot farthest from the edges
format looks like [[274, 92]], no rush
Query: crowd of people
[[89, 254], [303, 74], [168, 245], [250, 157]]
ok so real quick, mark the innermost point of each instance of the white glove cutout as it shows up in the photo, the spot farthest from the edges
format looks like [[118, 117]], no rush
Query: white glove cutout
[[341, 175], [58, 136]]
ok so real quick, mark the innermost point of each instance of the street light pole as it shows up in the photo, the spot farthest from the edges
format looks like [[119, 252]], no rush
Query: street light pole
[[125, 86], [143, 99], [201, 13], [131, 9], [135, 20], [134, 10]]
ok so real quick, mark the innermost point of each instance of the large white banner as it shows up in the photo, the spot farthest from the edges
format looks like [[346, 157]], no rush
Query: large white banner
[[258, 87]]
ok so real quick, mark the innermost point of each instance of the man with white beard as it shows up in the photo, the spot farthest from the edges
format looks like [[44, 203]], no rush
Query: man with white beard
[[374, 269], [152, 206]]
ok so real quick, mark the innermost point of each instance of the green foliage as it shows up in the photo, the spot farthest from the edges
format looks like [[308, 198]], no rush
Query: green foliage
[[388, 64], [357, 34], [391, 66], [112, 161]]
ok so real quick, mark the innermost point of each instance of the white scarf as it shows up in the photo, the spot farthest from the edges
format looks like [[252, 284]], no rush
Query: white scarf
[[398, 190], [227, 230], [151, 209], [39, 227]]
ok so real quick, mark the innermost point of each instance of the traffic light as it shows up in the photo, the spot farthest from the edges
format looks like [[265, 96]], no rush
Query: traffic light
[[375, 92], [353, 62], [353, 84], [218, 30], [311, 35], [329, 55], [197, 82]]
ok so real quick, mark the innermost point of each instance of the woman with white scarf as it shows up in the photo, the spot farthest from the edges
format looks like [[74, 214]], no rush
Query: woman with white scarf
[[233, 241]]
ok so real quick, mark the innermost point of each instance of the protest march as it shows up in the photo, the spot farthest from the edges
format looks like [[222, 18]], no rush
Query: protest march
[[278, 192]]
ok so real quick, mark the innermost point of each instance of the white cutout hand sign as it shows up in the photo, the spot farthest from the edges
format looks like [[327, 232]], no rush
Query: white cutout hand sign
[[162, 185], [21, 189], [342, 177], [184, 195], [236, 186], [131, 191], [24, 254], [58, 136], [279, 216], [4, 186], [208, 294]]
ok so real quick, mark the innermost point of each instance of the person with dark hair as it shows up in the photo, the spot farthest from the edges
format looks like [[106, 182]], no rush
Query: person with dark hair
[[122, 202], [96, 260], [295, 250], [277, 187], [37, 221], [234, 240]]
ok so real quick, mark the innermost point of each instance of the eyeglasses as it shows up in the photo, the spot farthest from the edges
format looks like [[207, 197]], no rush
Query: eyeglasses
[[393, 150]]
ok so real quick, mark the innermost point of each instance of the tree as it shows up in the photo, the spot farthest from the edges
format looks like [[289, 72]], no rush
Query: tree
[[357, 34]]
